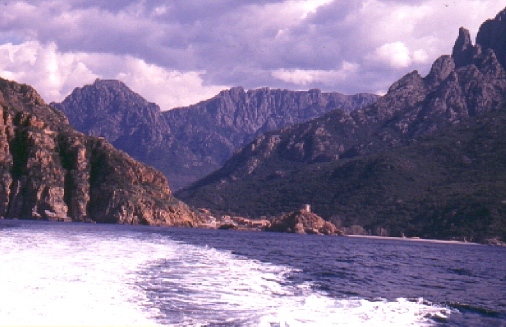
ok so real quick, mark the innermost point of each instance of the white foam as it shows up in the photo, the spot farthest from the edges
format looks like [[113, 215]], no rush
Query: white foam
[[66, 278], [62, 280]]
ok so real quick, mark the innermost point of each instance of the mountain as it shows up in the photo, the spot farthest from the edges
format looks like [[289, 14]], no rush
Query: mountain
[[350, 164], [189, 143], [50, 171], [451, 184]]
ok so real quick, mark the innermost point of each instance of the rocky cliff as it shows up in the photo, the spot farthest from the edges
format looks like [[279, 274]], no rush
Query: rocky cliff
[[50, 171], [281, 169], [188, 143]]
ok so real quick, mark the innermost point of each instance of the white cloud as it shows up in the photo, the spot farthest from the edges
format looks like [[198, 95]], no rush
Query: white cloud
[[420, 56], [310, 6], [55, 74], [304, 77], [48, 70], [169, 89], [396, 54]]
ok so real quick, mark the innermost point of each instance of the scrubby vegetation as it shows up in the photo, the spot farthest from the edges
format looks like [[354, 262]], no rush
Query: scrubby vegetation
[[449, 185]]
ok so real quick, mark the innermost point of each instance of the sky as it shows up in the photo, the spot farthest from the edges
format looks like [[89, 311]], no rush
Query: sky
[[179, 52]]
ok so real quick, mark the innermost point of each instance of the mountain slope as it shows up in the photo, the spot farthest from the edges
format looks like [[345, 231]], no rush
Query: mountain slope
[[50, 171], [450, 184], [270, 174], [188, 143]]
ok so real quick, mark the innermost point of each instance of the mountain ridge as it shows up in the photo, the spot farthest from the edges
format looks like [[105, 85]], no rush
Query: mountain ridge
[[461, 87], [189, 142], [413, 106]]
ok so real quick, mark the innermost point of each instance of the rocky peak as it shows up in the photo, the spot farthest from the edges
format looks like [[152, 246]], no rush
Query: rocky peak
[[463, 40], [234, 91], [462, 50], [110, 91], [107, 107], [491, 35], [111, 85], [408, 81], [13, 94]]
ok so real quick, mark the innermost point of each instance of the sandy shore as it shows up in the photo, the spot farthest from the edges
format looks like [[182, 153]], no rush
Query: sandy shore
[[412, 239]]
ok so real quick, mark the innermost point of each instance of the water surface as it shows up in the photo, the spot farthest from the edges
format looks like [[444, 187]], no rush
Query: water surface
[[83, 274]]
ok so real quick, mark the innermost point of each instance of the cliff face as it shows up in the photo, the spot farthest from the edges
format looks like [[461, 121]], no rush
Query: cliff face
[[188, 143], [50, 171]]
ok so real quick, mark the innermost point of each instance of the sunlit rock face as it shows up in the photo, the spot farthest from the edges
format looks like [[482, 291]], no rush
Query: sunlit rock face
[[50, 171]]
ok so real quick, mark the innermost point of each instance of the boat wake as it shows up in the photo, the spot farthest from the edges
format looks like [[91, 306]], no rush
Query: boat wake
[[205, 287], [60, 277]]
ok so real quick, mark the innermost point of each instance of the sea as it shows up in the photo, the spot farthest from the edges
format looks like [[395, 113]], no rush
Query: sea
[[73, 274]]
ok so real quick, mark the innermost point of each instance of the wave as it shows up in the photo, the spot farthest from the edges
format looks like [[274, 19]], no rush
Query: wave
[[66, 277]]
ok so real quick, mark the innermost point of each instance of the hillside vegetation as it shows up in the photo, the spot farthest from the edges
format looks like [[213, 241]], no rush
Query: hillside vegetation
[[449, 185]]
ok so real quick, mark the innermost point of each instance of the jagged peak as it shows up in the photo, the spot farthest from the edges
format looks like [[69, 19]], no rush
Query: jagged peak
[[462, 50], [25, 91], [232, 90], [115, 88], [463, 40], [441, 69], [408, 79], [491, 35]]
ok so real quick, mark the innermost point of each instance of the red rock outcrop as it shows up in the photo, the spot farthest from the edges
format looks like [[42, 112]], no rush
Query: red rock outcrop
[[50, 171]]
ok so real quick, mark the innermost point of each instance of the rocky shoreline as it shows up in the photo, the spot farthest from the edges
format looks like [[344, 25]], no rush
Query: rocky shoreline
[[264, 225]]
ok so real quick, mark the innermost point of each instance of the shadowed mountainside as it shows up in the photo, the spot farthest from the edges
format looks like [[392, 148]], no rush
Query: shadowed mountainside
[[189, 143]]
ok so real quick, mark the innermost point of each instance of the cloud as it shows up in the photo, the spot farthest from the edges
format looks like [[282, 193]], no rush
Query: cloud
[[51, 72], [55, 74], [306, 77], [398, 55], [198, 47], [169, 89]]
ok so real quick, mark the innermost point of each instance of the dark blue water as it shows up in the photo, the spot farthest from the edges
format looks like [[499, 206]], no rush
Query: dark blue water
[[184, 273], [471, 279]]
